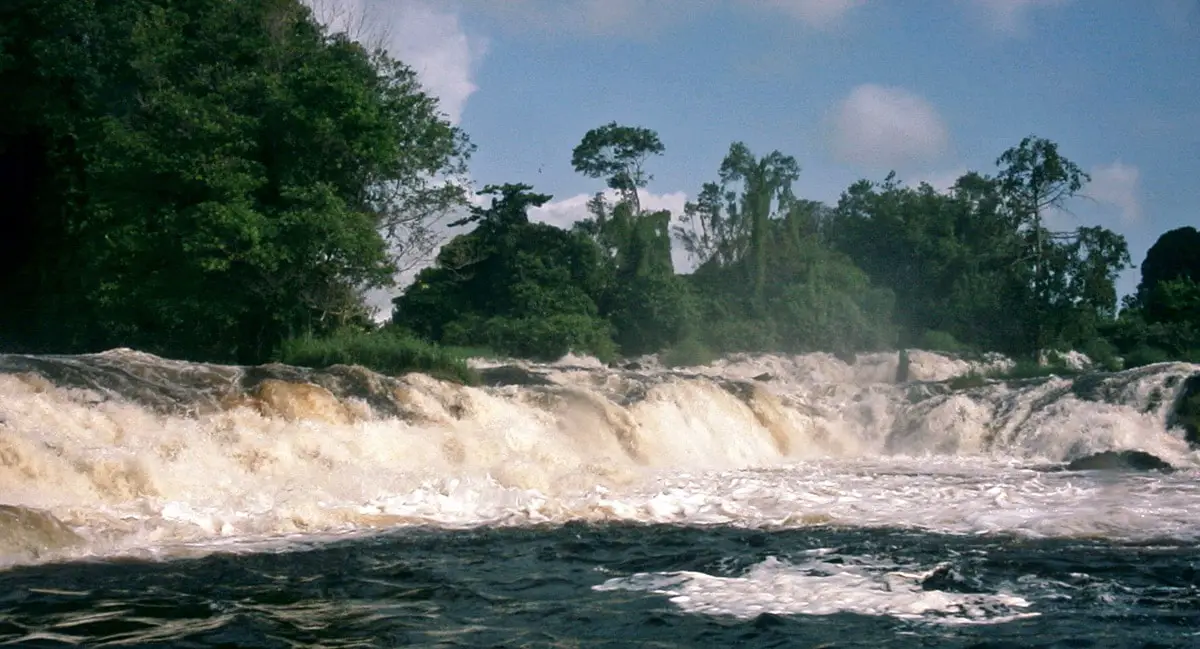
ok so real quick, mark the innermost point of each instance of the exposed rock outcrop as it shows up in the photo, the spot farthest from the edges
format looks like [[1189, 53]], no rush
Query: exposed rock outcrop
[[1186, 413], [1120, 461]]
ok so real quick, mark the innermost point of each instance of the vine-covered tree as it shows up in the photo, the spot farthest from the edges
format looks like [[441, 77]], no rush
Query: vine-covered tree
[[648, 305]]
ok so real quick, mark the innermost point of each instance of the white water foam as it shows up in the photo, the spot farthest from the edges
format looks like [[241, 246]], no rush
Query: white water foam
[[823, 442], [942, 495], [816, 586]]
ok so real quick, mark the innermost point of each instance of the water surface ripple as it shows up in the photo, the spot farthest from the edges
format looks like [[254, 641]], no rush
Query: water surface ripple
[[624, 585]]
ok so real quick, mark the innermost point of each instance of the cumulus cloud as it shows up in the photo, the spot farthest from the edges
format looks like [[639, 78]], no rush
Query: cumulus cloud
[[1118, 185], [562, 213], [1010, 16], [883, 126], [816, 13], [423, 34]]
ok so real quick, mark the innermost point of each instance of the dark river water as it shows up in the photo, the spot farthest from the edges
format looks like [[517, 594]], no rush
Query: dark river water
[[623, 586]]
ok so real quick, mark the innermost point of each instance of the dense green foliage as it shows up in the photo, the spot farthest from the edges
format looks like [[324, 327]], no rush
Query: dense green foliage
[[224, 180], [520, 288], [1161, 321], [202, 178]]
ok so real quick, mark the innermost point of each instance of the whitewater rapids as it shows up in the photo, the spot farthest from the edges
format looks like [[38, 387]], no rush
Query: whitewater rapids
[[124, 453]]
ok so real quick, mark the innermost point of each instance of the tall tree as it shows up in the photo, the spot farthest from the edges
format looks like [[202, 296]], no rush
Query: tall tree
[[618, 154], [730, 221], [1035, 178]]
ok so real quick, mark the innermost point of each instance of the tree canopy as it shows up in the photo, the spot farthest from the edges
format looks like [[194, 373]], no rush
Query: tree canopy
[[210, 180], [205, 178]]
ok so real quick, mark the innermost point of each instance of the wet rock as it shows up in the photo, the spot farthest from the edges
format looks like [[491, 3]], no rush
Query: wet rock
[[633, 367], [1186, 412], [31, 533], [765, 376], [944, 577], [511, 375], [902, 367], [1093, 387], [1120, 461], [300, 401]]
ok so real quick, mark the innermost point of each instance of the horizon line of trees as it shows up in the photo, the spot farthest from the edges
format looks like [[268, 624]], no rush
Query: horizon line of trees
[[207, 180], [971, 269]]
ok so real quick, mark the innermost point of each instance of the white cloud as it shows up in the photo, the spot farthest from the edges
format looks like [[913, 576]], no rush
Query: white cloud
[[816, 13], [563, 213], [422, 34], [882, 126], [433, 43], [1010, 16], [1118, 185]]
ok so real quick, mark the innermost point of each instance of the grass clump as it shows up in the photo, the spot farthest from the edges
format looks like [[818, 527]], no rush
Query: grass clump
[[466, 352], [385, 352]]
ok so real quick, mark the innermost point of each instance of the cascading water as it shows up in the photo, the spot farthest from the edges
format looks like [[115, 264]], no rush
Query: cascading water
[[123, 452], [755, 501]]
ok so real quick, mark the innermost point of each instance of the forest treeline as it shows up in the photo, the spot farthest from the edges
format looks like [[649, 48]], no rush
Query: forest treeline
[[224, 181]]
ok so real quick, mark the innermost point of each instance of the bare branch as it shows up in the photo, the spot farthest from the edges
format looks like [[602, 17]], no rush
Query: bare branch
[[352, 18]]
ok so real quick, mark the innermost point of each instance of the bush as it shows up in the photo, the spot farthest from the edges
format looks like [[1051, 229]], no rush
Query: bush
[[541, 338], [940, 341], [1145, 355], [651, 313], [467, 352], [689, 352], [1103, 354], [384, 352], [740, 335]]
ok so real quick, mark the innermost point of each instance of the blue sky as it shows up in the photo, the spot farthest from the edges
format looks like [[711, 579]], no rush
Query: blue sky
[[851, 88]]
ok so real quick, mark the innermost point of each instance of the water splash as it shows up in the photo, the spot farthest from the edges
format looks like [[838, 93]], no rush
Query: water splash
[[818, 586], [129, 450]]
